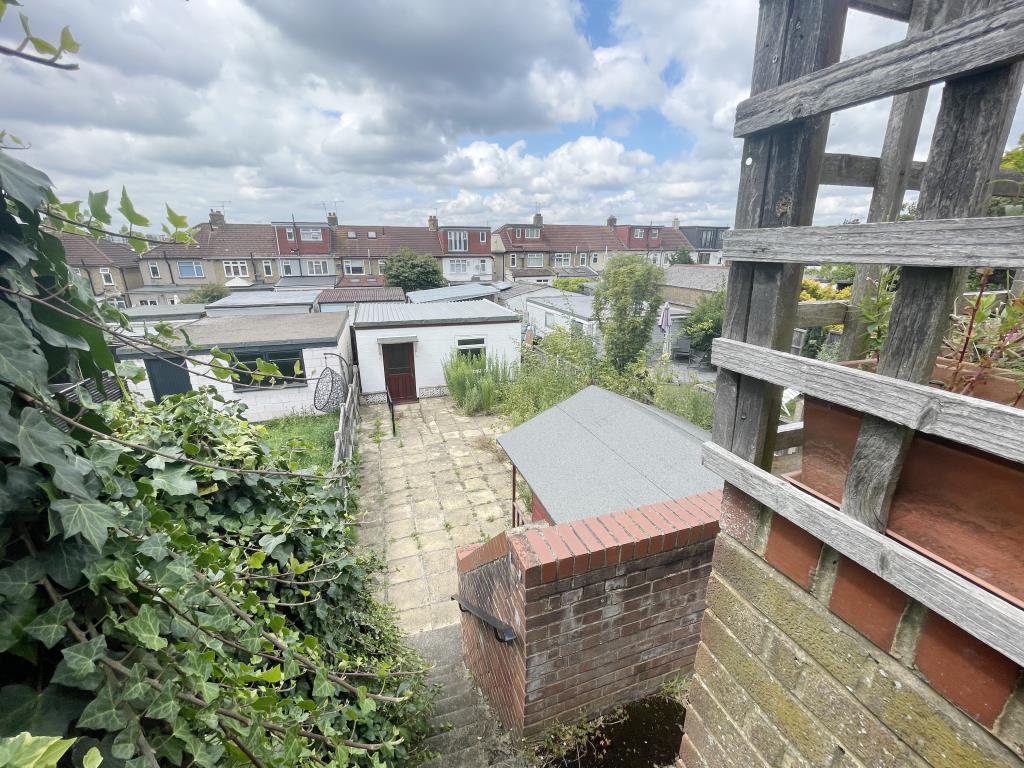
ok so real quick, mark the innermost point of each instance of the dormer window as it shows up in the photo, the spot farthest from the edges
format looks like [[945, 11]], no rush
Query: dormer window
[[532, 233], [309, 234], [351, 234], [289, 233], [638, 233], [371, 234], [654, 234], [483, 236], [519, 233], [458, 240]]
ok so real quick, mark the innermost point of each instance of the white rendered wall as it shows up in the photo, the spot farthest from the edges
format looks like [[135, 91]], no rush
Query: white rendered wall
[[433, 345]]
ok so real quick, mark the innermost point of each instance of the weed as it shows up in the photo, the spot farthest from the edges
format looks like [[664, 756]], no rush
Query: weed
[[447, 525]]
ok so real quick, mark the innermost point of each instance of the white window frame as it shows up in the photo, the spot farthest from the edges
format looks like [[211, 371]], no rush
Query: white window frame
[[654, 233], [352, 264], [458, 240], [318, 267], [372, 234], [286, 269], [482, 267], [458, 266], [106, 277], [483, 236], [531, 257], [548, 316], [311, 234], [154, 271], [118, 301], [563, 259], [583, 259], [531, 233], [148, 303], [268, 268], [235, 268], [638, 233], [199, 271], [381, 266], [352, 234], [289, 234], [519, 233], [512, 261], [470, 343]]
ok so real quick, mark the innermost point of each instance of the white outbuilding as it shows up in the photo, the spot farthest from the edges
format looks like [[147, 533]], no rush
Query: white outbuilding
[[401, 348]]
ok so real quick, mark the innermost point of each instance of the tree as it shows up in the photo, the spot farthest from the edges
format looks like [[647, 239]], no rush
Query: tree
[[682, 256], [413, 271], [573, 284], [206, 294], [704, 323], [626, 306]]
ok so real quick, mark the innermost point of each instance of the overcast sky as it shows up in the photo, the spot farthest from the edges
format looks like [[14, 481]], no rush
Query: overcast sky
[[387, 111]]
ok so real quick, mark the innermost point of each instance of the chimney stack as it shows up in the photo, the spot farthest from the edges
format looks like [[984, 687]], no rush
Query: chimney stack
[[332, 219], [612, 221], [432, 223], [216, 218], [675, 222], [538, 220]]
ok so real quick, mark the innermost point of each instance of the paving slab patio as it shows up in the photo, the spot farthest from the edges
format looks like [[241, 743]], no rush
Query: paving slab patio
[[440, 483]]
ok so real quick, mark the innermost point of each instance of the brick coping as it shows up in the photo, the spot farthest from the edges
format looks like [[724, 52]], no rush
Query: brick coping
[[569, 549]]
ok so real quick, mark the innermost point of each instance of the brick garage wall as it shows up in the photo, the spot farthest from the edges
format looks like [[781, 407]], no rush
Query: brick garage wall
[[808, 659], [604, 610]]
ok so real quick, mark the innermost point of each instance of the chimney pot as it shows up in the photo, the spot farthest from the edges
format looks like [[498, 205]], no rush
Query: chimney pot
[[332, 219], [538, 220], [675, 222], [612, 221], [216, 218], [432, 223]]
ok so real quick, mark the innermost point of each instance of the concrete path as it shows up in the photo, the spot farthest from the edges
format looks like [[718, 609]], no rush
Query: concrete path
[[440, 483]]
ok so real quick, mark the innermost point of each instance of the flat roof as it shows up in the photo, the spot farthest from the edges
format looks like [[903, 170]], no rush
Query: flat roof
[[578, 304], [598, 452], [266, 330], [164, 310], [383, 314], [266, 298], [452, 293]]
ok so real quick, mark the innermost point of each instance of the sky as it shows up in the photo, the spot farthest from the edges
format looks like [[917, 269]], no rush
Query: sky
[[388, 111]]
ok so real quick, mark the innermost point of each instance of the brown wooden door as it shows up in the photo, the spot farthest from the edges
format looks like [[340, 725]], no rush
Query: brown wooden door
[[400, 372]]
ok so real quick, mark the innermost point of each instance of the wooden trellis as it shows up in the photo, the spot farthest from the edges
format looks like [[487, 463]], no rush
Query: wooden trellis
[[975, 47]]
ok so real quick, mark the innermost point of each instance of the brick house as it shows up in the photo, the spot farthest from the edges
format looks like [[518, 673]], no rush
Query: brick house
[[685, 284], [706, 240], [307, 249], [238, 255], [111, 267], [656, 242]]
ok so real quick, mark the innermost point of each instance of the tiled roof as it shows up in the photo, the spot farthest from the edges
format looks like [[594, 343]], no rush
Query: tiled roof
[[387, 241], [701, 277], [668, 239], [84, 251], [355, 295], [225, 241], [563, 238]]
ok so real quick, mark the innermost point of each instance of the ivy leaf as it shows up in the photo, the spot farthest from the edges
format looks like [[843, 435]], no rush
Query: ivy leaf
[[91, 519], [39, 441], [155, 546], [23, 182], [98, 206], [322, 687], [165, 706], [127, 210], [49, 627], [80, 659], [175, 480], [105, 712], [44, 713], [30, 751], [176, 219], [22, 365], [18, 581], [65, 560], [145, 627]]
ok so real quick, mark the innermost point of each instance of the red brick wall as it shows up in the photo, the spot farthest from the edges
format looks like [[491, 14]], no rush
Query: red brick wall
[[539, 512], [286, 246], [604, 609]]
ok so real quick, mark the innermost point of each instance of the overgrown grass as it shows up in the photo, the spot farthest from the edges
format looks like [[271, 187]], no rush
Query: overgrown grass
[[688, 401], [476, 382], [308, 440]]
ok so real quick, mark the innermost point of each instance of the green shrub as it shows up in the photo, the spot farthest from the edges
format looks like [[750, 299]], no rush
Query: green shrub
[[688, 401], [474, 382], [704, 323]]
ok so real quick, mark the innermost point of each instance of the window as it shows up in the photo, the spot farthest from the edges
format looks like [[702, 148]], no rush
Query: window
[[317, 267], [190, 269], [519, 233], [119, 302], [290, 234], [532, 233], [148, 302], [563, 259], [312, 234], [583, 259], [268, 269], [535, 259], [638, 232], [286, 269], [471, 347], [288, 361], [512, 260], [236, 269], [550, 320], [703, 258], [707, 238], [354, 267], [460, 266], [154, 270], [382, 266], [174, 300], [351, 234], [483, 236], [654, 233], [372, 234], [105, 276], [482, 266], [593, 257], [458, 240]]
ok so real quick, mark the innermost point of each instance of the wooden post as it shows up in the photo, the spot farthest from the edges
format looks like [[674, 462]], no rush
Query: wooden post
[[894, 166], [778, 187], [971, 131]]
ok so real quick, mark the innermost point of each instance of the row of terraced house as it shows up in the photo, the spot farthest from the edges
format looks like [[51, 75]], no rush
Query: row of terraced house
[[290, 254]]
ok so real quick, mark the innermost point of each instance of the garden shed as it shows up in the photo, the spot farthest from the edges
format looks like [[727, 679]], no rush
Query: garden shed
[[312, 341], [401, 348], [264, 302], [631, 455]]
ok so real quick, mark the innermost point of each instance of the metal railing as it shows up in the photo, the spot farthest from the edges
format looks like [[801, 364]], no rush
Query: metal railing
[[518, 518], [391, 409], [502, 631]]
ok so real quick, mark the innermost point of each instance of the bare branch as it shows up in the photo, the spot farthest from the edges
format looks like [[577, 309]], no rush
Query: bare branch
[[4, 50]]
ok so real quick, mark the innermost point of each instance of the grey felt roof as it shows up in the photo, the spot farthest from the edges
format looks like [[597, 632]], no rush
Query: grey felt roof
[[701, 277], [598, 452], [459, 292], [377, 314], [578, 304], [164, 310], [266, 298], [233, 331]]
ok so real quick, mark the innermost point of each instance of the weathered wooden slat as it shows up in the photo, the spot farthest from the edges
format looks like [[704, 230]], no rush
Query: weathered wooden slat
[[842, 170], [971, 44], [789, 435], [981, 242], [898, 10], [987, 426], [967, 145], [814, 314], [991, 619]]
